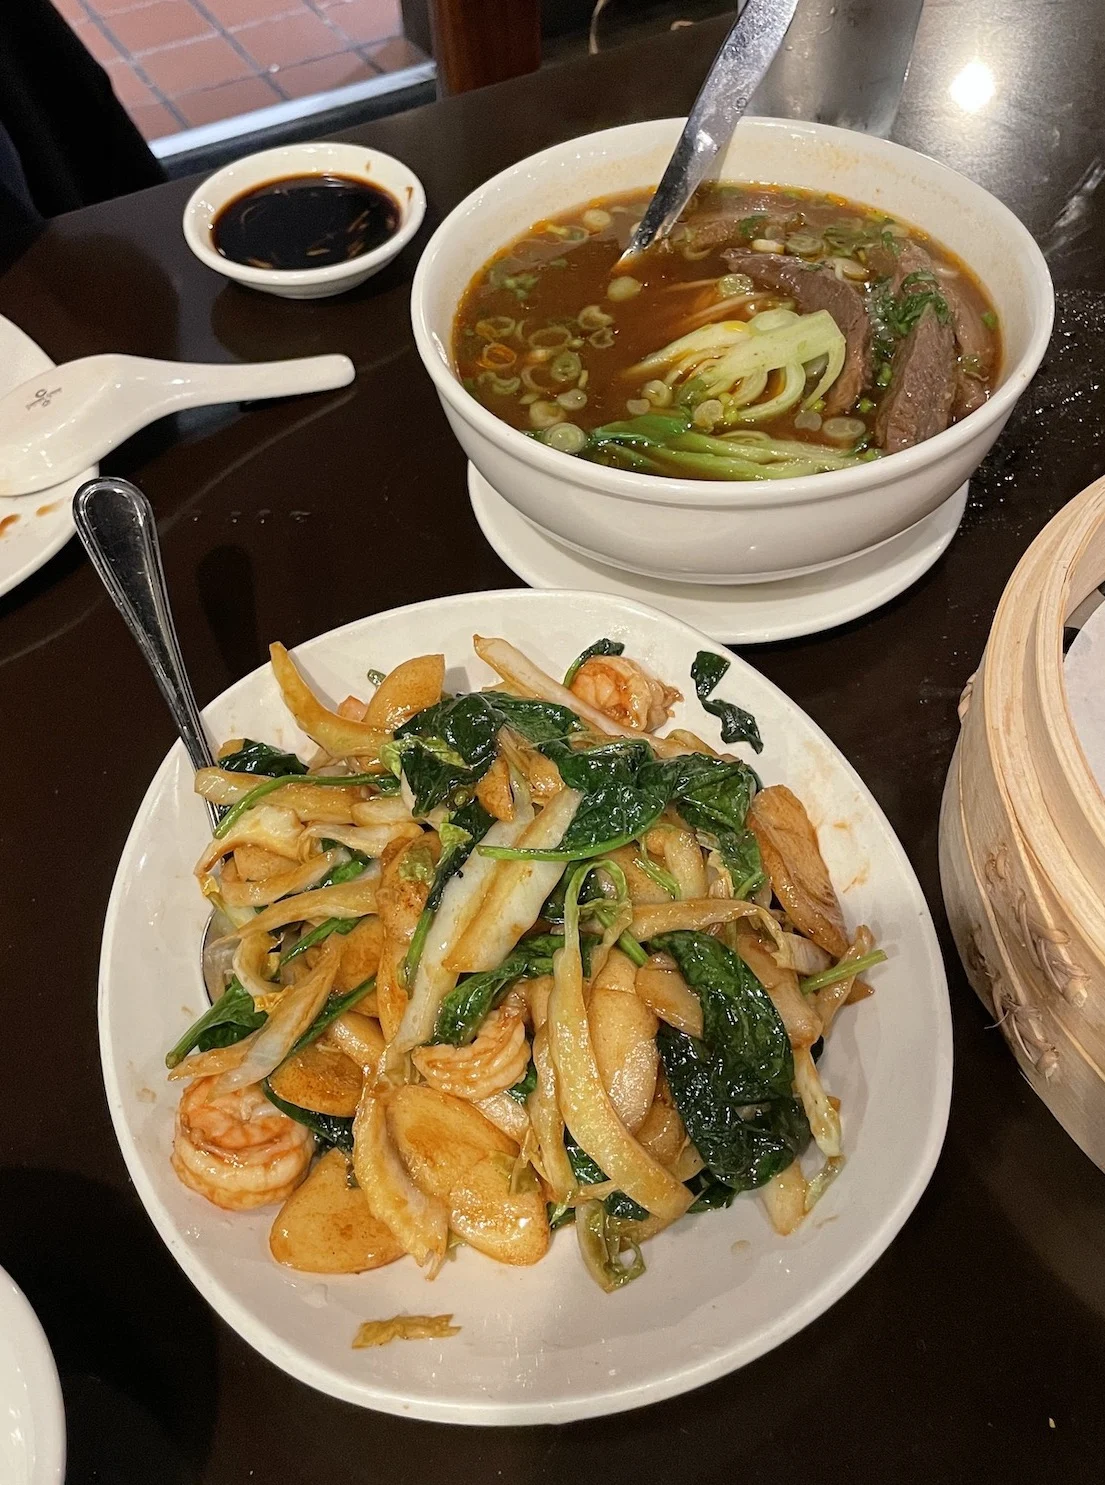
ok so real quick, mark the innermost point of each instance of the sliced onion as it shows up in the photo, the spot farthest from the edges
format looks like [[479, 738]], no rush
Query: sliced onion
[[459, 903], [341, 738], [585, 1103], [823, 1117], [802, 955], [250, 959], [265, 825], [419, 1223], [804, 244], [497, 327], [544, 1113], [637, 406], [289, 1019], [595, 219], [343, 900], [272, 889]]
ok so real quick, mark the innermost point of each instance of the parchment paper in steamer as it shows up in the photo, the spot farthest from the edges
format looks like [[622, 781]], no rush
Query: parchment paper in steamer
[[1084, 674]]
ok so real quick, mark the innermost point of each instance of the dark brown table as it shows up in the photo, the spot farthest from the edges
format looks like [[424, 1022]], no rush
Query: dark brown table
[[977, 1344]]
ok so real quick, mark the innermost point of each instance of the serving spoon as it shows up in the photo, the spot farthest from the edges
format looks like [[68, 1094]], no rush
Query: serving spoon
[[69, 417], [737, 71], [115, 523]]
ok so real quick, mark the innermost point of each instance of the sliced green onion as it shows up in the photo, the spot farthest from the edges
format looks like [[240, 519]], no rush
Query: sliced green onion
[[545, 414], [498, 327], [550, 338], [593, 317], [573, 399], [843, 971], [602, 339], [565, 367], [625, 286], [632, 949], [568, 438], [316, 936], [270, 786]]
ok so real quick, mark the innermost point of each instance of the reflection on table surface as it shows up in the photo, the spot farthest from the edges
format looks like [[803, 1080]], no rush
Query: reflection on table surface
[[986, 1318]]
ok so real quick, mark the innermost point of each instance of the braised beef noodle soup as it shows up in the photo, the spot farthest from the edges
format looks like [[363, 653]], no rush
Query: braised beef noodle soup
[[775, 333]]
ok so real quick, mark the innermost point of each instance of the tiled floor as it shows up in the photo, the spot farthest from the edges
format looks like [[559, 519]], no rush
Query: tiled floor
[[180, 63]]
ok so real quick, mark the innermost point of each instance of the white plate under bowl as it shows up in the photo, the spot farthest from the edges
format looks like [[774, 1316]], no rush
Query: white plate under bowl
[[740, 614], [32, 1419], [42, 522], [541, 1344]]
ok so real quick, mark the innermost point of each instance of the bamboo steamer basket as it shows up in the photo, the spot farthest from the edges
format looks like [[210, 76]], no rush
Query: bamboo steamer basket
[[1022, 832]]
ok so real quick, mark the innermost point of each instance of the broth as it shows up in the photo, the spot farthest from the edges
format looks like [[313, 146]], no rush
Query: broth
[[775, 332]]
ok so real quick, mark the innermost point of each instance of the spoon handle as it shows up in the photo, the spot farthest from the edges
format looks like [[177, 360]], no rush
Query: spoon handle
[[736, 72], [115, 522]]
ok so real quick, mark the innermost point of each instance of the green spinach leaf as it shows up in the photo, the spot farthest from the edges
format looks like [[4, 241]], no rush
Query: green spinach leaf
[[588, 769], [259, 757], [609, 817], [232, 1017], [600, 647], [538, 721], [737, 725], [525, 1085], [710, 1194], [588, 1173], [463, 1009], [466, 725], [328, 1129], [734, 1087]]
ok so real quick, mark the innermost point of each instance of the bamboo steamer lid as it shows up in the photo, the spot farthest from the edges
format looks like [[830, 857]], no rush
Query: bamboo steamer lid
[[1022, 832]]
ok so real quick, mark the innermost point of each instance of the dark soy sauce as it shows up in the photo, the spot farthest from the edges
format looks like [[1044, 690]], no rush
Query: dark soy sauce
[[305, 221]]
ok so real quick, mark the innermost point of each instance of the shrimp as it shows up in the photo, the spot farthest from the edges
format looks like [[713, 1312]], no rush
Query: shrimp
[[497, 1059], [625, 692], [238, 1150]]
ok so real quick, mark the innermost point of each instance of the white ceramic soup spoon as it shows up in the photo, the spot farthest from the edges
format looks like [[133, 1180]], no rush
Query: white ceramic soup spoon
[[55, 426]]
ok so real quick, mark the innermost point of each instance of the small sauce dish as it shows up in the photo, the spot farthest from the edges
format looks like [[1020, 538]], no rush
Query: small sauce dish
[[347, 167]]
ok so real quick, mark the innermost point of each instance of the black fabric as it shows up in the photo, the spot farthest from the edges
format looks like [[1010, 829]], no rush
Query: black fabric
[[75, 142]]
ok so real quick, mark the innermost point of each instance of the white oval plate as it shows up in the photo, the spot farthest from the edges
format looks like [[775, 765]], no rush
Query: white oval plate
[[32, 1419], [42, 522], [538, 1345]]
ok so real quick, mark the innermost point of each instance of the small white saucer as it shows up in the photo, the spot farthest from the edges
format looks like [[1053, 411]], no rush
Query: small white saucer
[[32, 1419], [746, 613]]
